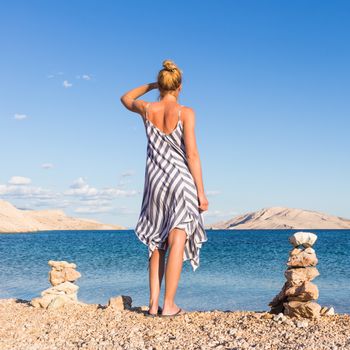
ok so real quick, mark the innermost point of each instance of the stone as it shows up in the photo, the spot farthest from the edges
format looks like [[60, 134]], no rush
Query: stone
[[63, 291], [59, 265], [323, 309], [327, 311], [306, 239], [301, 323], [276, 309], [297, 276], [36, 302], [298, 294], [43, 302], [279, 317], [59, 301], [295, 251], [302, 258], [49, 296], [304, 292], [330, 312], [288, 321], [63, 275], [56, 277], [62, 288], [232, 331], [120, 302], [71, 275], [299, 309], [309, 250]]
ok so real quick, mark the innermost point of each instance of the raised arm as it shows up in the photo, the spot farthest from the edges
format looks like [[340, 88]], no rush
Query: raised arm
[[192, 155], [129, 99]]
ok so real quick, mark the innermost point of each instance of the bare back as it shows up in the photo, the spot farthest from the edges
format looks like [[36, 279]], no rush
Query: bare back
[[164, 116]]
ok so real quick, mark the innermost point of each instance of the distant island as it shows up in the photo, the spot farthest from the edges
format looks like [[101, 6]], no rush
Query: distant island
[[282, 218], [14, 220]]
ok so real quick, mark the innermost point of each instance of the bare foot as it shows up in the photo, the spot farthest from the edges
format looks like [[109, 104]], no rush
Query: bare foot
[[154, 309], [170, 310]]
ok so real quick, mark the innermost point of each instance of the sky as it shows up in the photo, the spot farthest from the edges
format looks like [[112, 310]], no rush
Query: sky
[[269, 82]]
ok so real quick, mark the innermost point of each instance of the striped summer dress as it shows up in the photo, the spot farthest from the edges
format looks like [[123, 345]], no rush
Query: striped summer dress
[[170, 194]]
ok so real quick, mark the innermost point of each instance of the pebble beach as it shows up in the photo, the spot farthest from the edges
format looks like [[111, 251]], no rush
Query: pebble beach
[[95, 326]]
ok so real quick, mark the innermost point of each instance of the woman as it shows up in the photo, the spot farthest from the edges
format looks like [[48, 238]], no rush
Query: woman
[[173, 196]]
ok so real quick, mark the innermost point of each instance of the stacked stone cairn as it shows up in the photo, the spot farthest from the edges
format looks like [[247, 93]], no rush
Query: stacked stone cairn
[[298, 295], [63, 290]]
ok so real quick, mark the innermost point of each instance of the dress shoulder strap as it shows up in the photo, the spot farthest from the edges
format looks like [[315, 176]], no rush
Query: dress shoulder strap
[[180, 111], [146, 113]]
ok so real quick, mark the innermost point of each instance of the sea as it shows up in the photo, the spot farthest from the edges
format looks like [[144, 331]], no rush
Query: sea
[[239, 269]]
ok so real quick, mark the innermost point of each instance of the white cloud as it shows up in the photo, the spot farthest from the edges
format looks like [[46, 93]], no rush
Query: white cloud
[[19, 187], [97, 202], [113, 192], [19, 180], [128, 173], [81, 188], [67, 84], [18, 116], [93, 210], [52, 203], [81, 196], [47, 165], [50, 76], [25, 192], [84, 77]]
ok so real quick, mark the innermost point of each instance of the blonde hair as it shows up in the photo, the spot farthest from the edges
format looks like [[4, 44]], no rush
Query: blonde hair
[[169, 78]]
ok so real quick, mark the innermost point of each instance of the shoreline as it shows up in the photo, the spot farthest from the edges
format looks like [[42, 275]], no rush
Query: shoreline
[[94, 326], [207, 229], [58, 230]]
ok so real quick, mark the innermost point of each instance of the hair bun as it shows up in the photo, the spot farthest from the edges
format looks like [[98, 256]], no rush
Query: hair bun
[[169, 65], [169, 78]]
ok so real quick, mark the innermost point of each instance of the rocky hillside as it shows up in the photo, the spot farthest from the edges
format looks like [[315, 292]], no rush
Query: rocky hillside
[[283, 218], [17, 220]]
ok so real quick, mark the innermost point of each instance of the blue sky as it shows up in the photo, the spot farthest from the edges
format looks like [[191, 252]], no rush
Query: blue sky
[[268, 80]]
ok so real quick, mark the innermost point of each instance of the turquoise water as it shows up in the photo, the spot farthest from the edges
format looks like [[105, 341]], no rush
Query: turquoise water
[[240, 270]]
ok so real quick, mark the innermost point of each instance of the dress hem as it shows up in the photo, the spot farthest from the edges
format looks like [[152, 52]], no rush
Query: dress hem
[[186, 225]]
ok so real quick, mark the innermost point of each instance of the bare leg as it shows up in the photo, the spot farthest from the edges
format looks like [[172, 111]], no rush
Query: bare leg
[[176, 243], [156, 272]]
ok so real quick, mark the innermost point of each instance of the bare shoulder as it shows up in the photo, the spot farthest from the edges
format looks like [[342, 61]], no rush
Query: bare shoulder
[[188, 114], [139, 106]]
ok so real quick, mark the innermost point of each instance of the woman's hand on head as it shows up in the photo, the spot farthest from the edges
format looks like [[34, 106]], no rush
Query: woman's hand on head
[[129, 99]]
